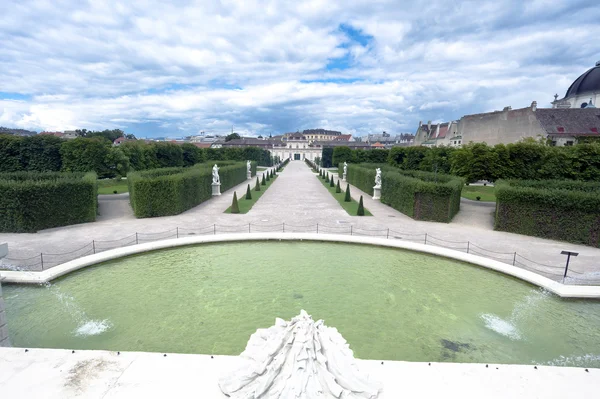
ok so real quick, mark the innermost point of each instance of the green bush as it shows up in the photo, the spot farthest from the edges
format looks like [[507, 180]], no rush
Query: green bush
[[257, 186], [361, 209], [32, 201], [338, 189], [327, 178], [264, 181], [248, 193], [331, 183], [348, 198], [170, 191], [235, 208], [420, 195], [564, 210], [268, 176]]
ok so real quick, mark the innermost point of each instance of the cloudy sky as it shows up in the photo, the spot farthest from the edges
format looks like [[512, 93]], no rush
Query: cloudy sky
[[175, 68]]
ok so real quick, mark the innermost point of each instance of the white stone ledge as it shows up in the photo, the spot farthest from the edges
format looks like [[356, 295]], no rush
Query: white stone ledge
[[60, 374], [565, 291]]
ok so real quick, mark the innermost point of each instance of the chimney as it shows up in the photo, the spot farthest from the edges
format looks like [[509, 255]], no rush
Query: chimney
[[534, 106]]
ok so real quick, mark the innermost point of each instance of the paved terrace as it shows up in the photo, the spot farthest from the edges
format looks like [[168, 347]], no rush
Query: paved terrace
[[298, 198]]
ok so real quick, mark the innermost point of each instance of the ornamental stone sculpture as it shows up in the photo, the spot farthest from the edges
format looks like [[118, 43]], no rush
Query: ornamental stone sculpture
[[377, 187], [215, 175], [248, 170], [298, 359], [345, 171]]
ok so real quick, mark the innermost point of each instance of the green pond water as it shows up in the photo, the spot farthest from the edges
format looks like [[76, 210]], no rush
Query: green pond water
[[389, 304]]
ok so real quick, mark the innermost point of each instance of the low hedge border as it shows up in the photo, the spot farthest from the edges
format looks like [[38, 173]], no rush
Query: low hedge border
[[565, 210], [32, 201], [420, 195], [171, 191]]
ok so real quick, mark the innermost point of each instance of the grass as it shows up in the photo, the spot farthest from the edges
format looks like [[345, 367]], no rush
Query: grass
[[485, 192], [244, 204], [261, 168], [109, 186], [350, 207]]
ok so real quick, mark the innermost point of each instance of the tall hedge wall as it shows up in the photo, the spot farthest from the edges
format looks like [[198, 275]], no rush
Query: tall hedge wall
[[564, 210], [170, 191], [32, 201], [420, 195]]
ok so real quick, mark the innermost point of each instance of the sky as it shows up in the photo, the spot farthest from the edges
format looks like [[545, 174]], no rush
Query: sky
[[178, 68]]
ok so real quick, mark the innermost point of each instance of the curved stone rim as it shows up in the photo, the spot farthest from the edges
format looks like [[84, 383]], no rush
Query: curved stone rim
[[564, 291]]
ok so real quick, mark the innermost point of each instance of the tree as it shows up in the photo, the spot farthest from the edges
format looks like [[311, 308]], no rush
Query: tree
[[248, 193], [41, 153], [168, 155], [117, 162], [257, 186], [191, 154], [361, 209], [347, 198], [235, 208], [338, 189], [86, 155], [232, 136], [327, 157], [341, 155]]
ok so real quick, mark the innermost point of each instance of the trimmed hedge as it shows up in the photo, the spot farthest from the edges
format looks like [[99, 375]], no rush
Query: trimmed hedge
[[420, 195], [171, 191], [564, 210], [32, 201]]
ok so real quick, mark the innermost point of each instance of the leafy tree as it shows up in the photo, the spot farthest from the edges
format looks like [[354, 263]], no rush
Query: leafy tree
[[437, 159], [341, 155], [110, 135], [257, 186], [168, 155], [191, 154], [361, 209], [232, 136], [235, 208], [338, 189], [348, 198], [86, 155], [248, 193], [117, 162], [41, 153], [327, 157], [10, 153]]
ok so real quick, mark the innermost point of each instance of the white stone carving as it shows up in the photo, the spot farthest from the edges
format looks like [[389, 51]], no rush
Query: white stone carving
[[298, 359], [378, 177], [248, 167], [215, 175], [345, 167]]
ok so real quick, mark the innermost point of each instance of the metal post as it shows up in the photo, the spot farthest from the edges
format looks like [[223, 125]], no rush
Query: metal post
[[350, 229], [136, 238], [425, 238], [42, 260], [388, 233], [248, 227], [317, 228], [283, 227], [568, 253], [215, 229], [514, 258], [468, 244], [94, 245], [177, 231]]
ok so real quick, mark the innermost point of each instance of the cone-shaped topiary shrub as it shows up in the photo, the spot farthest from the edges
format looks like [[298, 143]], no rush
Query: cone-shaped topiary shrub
[[361, 209], [268, 176], [338, 189], [331, 183], [248, 193], [235, 208], [327, 178], [257, 187], [347, 198], [264, 182]]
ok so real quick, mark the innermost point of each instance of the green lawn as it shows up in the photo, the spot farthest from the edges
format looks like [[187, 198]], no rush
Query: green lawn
[[244, 204], [109, 186], [350, 207], [485, 192], [261, 168]]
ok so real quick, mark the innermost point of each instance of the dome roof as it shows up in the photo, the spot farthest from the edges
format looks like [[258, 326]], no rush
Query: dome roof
[[588, 82]]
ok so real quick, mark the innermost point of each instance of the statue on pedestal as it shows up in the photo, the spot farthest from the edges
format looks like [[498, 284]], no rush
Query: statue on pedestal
[[345, 167], [215, 175], [248, 167], [378, 177]]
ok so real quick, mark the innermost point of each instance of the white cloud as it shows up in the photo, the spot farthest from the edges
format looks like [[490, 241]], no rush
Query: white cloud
[[207, 65]]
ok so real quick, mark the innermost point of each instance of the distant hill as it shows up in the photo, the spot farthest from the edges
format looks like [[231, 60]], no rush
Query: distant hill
[[16, 132]]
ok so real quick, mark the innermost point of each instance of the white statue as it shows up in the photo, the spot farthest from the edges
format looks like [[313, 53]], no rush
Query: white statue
[[345, 167], [248, 167], [378, 177], [215, 175], [298, 359]]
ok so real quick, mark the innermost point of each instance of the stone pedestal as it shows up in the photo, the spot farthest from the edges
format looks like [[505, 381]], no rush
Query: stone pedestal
[[216, 189], [376, 192], [344, 177], [248, 176], [3, 327]]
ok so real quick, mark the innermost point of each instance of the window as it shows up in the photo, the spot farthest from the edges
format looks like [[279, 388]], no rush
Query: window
[[569, 142]]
